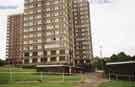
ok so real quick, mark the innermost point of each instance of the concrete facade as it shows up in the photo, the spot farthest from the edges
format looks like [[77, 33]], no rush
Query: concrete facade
[[14, 38], [56, 32]]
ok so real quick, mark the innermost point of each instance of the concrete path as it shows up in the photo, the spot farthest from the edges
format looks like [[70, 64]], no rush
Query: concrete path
[[92, 80]]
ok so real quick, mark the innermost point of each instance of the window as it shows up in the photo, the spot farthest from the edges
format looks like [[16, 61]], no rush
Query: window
[[56, 2], [48, 40], [48, 9], [56, 26], [62, 51], [49, 27], [25, 36], [34, 60], [57, 20], [56, 8], [48, 21], [76, 61], [48, 33], [45, 53], [87, 61], [39, 47], [40, 53], [39, 22], [30, 29], [31, 47], [54, 38], [25, 42], [43, 60], [25, 24], [39, 35], [31, 18], [53, 52], [25, 48], [48, 3], [57, 32], [26, 54], [31, 35], [53, 33], [53, 59], [56, 14], [28, 0], [63, 19], [39, 4], [25, 18], [38, 0], [39, 10], [34, 54], [39, 41], [31, 41], [39, 28], [48, 15], [26, 61], [38, 16], [62, 58]]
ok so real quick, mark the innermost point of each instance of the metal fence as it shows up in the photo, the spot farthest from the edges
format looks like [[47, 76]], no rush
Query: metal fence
[[119, 76], [38, 76]]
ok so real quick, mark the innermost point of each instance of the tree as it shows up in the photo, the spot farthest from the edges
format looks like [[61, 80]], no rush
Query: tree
[[2, 62], [113, 58], [99, 63], [133, 58], [120, 57]]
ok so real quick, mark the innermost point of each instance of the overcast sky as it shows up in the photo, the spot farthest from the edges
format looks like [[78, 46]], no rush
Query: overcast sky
[[113, 25]]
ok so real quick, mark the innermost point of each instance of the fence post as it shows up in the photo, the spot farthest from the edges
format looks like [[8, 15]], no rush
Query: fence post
[[11, 76], [63, 77], [129, 78], [109, 76], [41, 76], [117, 75]]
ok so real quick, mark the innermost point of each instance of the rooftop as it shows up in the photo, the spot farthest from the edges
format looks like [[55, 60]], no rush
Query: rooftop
[[118, 63]]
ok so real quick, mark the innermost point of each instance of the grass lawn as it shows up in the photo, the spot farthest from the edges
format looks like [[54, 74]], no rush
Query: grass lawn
[[118, 84], [19, 74], [39, 85]]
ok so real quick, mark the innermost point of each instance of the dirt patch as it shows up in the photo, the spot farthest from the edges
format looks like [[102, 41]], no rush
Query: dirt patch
[[92, 80]]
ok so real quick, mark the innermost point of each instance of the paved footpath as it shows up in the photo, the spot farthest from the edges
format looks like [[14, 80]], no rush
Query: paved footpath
[[92, 80]]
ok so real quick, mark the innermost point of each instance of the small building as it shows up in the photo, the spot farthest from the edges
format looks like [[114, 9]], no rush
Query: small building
[[58, 69], [120, 70]]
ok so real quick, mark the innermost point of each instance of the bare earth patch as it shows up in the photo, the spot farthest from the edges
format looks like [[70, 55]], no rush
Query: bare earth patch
[[93, 80]]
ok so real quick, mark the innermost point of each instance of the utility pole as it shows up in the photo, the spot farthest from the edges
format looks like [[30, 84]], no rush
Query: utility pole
[[101, 56], [101, 51]]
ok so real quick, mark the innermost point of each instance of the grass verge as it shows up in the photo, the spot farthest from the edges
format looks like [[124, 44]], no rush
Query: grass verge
[[118, 84]]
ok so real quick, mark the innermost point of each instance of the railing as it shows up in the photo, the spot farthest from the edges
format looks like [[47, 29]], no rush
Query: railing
[[12, 76], [118, 76]]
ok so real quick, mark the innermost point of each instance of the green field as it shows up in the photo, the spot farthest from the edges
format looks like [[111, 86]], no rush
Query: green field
[[13, 77], [18, 77], [39, 85], [118, 84]]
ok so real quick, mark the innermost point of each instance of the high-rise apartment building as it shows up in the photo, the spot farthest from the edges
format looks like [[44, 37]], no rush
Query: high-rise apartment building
[[48, 32], [82, 32], [57, 32], [14, 38]]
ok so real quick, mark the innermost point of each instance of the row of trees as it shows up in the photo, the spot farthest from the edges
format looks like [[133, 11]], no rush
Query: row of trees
[[99, 63], [121, 57]]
